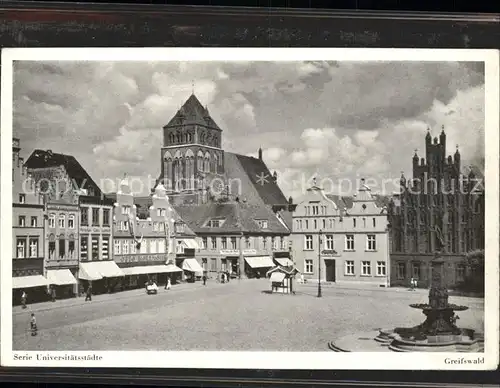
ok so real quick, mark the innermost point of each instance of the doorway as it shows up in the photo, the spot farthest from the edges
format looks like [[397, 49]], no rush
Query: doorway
[[330, 270]]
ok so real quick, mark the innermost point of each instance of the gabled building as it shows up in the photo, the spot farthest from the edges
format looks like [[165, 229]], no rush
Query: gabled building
[[440, 208], [236, 237], [341, 239], [28, 237]]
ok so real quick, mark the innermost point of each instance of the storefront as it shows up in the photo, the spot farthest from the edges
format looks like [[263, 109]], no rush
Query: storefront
[[136, 277], [34, 286], [63, 281], [103, 276], [283, 258], [257, 266], [192, 269]]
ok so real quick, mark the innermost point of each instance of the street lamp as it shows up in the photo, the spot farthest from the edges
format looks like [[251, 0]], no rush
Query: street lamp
[[319, 263]]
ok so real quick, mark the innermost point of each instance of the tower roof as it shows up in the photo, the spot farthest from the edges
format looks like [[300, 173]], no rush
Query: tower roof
[[193, 112]]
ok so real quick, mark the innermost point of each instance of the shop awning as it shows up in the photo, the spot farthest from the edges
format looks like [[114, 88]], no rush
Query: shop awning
[[191, 265], [147, 269], [190, 243], [285, 262], [277, 277], [99, 269], [29, 281], [259, 261], [60, 277]]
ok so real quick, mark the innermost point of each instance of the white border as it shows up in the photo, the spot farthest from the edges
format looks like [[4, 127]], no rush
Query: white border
[[263, 360]]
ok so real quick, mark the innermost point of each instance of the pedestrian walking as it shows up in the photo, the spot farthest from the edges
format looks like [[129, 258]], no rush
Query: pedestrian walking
[[412, 284], [34, 328], [204, 279], [88, 295], [169, 284], [24, 297], [53, 293]]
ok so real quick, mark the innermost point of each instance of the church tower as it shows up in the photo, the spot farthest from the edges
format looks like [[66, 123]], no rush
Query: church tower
[[191, 154]]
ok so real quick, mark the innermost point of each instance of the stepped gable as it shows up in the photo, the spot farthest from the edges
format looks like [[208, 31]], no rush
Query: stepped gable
[[239, 217], [192, 112], [347, 201], [254, 168], [142, 206], [46, 159]]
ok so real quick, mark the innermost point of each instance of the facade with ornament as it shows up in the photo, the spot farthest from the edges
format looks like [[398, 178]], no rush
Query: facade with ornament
[[341, 239], [439, 210]]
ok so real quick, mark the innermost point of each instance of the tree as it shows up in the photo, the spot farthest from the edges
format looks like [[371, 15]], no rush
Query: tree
[[474, 278]]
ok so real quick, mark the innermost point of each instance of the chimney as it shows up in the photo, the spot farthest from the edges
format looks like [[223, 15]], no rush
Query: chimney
[[260, 153]]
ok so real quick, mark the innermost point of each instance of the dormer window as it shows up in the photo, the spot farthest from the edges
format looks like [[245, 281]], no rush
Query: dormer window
[[263, 224], [179, 227], [215, 223]]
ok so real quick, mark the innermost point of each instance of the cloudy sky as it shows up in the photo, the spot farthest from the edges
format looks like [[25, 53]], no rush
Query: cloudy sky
[[339, 120]]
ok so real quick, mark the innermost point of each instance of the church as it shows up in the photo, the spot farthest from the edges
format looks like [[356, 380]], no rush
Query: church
[[231, 201], [439, 209]]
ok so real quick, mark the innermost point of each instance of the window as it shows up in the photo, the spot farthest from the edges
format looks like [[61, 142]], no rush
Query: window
[[213, 265], [62, 248], [22, 221], [371, 243], [215, 223], [105, 247], [144, 247], [126, 210], [381, 270], [21, 248], [332, 223], [308, 267], [153, 247], [247, 242], [233, 243], [415, 270], [84, 216], [124, 225], [308, 242], [179, 227], [71, 221], [374, 222], [349, 242], [61, 221], [133, 247], [315, 210], [71, 247], [283, 243], [161, 246], [223, 241], [401, 271], [52, 249], [84, 247], [162, 226], [105, 217], [307, 224], [33, 247], [366, 268], [262, 224], [125, 247], [460, 272], [273, 242], [329, 242], [364, 222], [349, 267], [22, 198], [264, 242], [52, 220], [204, 243], [34, 222], [155, 226], [315, 224], [324, 223], [354, 222], [213, 243], [95, 216], [223, 264], [95, 247]]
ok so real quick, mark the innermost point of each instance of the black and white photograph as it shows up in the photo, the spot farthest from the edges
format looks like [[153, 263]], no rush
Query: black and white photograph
[[287, 208]]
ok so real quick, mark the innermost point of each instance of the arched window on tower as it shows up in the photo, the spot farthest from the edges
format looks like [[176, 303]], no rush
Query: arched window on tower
[[189, 170], [177, 173], [202, 138], [171, 138], [207, 162], [216, 162], [168, 172], [199, 161], [213, 165], [178, 138]]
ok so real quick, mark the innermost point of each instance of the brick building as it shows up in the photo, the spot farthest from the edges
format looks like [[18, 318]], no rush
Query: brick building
[[439, 207], [27, 232], [346, 236]]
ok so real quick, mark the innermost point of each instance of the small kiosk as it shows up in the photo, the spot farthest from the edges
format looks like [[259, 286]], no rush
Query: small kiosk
[[281, 278]]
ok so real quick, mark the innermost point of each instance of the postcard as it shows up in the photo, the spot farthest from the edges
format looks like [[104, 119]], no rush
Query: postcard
[[271, 208]]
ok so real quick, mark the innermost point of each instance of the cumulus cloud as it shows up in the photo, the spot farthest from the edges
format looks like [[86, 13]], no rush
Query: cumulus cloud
[[337, 120]]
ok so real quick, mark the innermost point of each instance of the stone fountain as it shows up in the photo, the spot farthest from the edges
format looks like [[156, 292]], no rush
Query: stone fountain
[[439, 332]]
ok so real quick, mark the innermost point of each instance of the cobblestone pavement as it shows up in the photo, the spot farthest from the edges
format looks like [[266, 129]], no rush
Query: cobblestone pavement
[[234, 316]]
